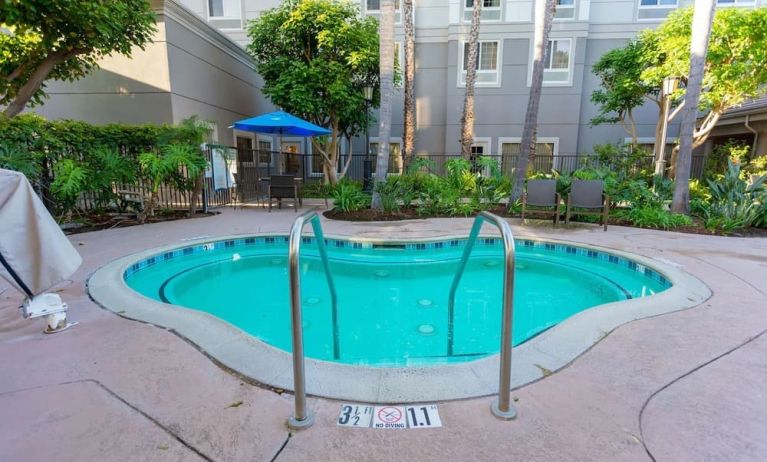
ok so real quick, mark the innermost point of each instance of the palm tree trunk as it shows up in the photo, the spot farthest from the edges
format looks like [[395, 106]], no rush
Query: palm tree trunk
[[386, 61], [544, 14], [467, 120], [701, 31], [408, 138]]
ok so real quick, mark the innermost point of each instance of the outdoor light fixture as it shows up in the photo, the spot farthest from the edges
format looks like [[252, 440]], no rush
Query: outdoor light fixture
[[367, 93], [670, 85]]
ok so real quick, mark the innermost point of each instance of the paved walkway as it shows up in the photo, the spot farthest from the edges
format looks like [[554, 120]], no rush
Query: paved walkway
[[683, 386]]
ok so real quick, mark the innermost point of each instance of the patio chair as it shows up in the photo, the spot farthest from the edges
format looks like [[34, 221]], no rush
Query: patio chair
[[542, 193], [283, 187], [588, 197]]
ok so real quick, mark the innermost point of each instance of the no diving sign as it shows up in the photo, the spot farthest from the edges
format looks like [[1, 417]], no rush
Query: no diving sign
[[389, 417]]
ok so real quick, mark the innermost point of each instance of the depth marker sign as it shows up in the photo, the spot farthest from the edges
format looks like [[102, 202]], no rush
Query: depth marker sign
[[389, 417]]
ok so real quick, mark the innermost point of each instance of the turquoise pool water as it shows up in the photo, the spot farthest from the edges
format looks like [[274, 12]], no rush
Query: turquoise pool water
[[392, 299]]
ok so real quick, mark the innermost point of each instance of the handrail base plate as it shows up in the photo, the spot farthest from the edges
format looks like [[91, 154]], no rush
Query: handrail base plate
[[511, 414]]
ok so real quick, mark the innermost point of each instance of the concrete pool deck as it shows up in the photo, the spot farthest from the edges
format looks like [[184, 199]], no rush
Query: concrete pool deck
[[688, 385]]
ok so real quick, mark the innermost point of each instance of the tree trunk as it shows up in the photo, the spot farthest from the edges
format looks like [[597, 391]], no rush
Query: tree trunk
[[701, 31], [387, 91], [40, 75], [467, 119], [408, 136], [544, 14]]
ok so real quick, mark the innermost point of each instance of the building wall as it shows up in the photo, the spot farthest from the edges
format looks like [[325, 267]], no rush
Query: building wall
[[189, 69]]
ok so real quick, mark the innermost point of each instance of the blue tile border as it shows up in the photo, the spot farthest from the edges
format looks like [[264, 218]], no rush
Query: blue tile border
[[272, 241]]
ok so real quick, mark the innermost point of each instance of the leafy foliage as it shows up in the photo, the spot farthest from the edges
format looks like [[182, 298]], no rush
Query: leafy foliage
[[735, 203], [348, 196], [63, 40], [176, 164], [315, 57]]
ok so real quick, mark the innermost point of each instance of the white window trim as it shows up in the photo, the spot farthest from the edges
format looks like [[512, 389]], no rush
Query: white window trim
[[498, 65], [748, 3], [518, 140], [487, 141], [498, 8], [570, 64], [392, 140], [270, 139], [207, 12], [657, 7], [574, 7], [366, 11]]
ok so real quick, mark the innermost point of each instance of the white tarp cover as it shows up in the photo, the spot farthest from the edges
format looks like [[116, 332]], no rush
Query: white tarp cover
[[34, 253]]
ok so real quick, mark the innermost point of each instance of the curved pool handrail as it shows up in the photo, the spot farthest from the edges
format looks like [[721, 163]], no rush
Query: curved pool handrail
[[302, 417], [502, 407]]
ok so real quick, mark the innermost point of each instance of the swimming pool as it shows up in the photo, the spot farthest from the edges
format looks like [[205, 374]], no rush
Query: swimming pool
[[392, 296]]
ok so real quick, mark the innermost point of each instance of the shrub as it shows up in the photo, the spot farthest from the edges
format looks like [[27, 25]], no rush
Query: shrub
[[348, 197], [734, 202], [394, 189], [654, 217]]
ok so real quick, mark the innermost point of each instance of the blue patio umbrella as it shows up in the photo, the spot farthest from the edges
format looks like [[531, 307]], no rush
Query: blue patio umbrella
[[280, 123]]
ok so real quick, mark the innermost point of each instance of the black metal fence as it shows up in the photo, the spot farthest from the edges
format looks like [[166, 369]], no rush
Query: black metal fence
[[252, 166]]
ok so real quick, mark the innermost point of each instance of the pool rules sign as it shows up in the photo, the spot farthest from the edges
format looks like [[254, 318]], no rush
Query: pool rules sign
[[389, 417]]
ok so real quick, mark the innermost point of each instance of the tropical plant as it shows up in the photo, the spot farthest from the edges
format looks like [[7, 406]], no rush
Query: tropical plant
[[315, 57], [71, 180], [13, 157], [348, 197], [471, 60], [649, 216], [63, 40], [396, 189], [176, 164], [544, 15], [735, 203]]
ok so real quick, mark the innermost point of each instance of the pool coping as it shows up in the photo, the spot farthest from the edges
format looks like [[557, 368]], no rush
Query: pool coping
[[245, 354]]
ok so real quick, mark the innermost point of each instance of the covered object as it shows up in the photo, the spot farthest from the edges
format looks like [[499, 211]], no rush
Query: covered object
[[35, 255]]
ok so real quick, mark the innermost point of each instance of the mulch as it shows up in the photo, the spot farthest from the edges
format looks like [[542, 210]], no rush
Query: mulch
[[411, 213], [99, 222]]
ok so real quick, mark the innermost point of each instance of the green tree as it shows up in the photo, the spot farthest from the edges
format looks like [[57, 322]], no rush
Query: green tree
[[623, 90], [734, 69], [315, 57], [63, 40]]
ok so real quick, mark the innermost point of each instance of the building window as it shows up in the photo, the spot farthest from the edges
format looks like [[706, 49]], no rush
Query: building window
[[488, 63], [264, 151], [224, 9], [491, 10], [565, 9], [735, 2], [546, 152], [373, 7], [399, 63], [244, 149], [658, 3], [556, 62], [396, 162]]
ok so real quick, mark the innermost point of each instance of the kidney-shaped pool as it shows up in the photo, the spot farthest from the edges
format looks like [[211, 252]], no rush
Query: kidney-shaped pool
[[392, 297]]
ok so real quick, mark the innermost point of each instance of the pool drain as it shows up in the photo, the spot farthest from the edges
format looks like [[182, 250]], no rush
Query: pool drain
[[425, 302], [312, 300], [382, 274], [491, 263], [276, 261], [425, 329]]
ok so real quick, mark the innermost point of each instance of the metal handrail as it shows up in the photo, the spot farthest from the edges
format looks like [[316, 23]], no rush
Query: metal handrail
[[302, 417], [501, 407]]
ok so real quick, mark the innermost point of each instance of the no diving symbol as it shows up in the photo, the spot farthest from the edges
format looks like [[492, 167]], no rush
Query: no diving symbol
[[389, 414]]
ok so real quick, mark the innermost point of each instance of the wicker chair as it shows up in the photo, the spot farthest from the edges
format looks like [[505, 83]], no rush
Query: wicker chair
[[542, 194], [588, 197]]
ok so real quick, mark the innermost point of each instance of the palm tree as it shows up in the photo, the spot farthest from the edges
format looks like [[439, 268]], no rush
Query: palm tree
[[544, 14], [701, 31], [467, 120], [386, 65], [408, 135]]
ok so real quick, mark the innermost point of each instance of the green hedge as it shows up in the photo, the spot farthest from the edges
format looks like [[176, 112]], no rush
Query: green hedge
[[34, 146]]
